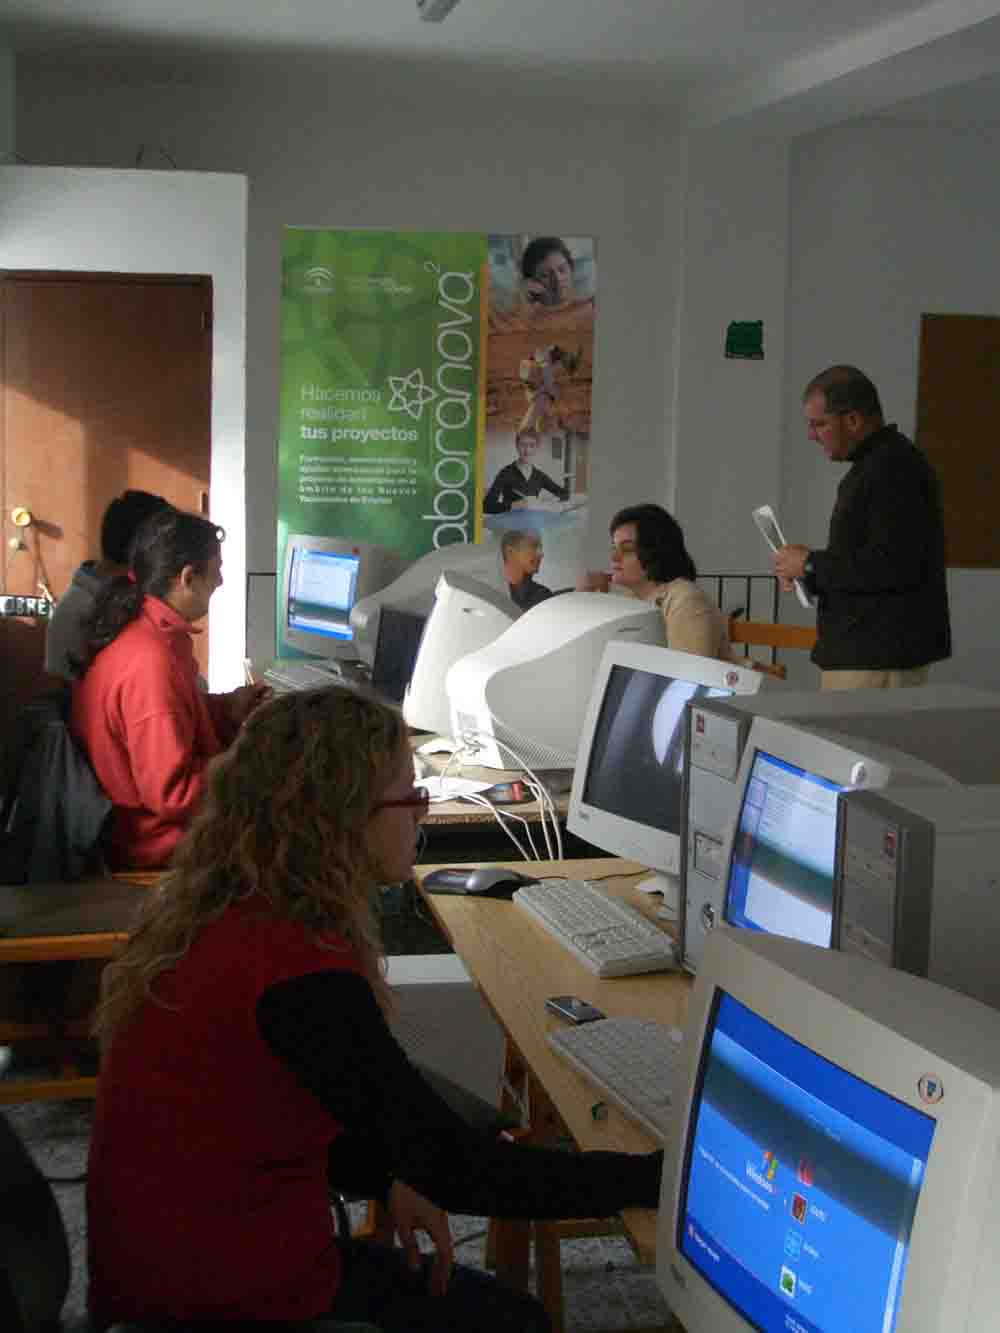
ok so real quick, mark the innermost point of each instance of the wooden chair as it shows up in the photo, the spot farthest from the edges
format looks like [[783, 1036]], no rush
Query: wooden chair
[[765, 634], [41, 927]]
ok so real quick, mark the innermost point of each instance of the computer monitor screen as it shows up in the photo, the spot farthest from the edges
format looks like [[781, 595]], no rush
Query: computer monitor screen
[[800, 1174], [835, 1164], [781, 872], [321, 591], [780, 855], [323, 578], [396, 648], [627, 787]]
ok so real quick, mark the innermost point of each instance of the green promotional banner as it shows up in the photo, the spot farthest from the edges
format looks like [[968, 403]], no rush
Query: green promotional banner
[[435, 389], [381, 402]]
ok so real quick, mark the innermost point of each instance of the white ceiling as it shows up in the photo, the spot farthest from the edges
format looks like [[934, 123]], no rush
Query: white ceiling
[[804, 62]]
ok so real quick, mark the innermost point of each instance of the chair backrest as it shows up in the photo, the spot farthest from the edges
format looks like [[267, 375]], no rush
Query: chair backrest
[[34, 1253], [765, 634]]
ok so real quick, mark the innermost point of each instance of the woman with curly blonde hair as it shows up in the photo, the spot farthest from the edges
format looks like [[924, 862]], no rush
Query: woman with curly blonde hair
[[247, 1062]]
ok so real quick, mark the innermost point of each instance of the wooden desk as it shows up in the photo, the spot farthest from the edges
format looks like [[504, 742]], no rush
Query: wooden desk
[[463, 812], [516, 966]]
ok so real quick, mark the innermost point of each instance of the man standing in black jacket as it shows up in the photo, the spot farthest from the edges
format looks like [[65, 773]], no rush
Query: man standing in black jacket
[[880, 585]]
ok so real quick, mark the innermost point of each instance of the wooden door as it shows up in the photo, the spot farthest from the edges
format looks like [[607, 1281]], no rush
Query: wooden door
[[106, 385], [958, 401]]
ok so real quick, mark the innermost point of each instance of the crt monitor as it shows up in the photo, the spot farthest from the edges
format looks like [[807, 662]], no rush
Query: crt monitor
[[466, 615], [323, 578], [626, 796], [835, 1166], [779, 858], [521, 701], [414, 588], [396, 649]]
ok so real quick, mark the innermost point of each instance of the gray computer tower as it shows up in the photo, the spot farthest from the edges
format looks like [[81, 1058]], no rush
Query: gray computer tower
[[917, 883], [959, 732]]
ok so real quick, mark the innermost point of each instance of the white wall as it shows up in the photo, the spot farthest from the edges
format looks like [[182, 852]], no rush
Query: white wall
[[333, 152], [728, 412], [154, 222], [888, 223]]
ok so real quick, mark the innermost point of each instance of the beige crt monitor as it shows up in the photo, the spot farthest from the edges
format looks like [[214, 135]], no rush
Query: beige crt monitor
[[917, 883], [835, 1166], [953, 727], [521, 700]]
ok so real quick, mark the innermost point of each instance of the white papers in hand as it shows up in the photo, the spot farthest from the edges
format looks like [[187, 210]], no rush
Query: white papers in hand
[[770, 529]]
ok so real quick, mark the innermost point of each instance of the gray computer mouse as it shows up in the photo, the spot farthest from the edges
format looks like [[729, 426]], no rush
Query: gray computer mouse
[[487, 881], [497, 881]]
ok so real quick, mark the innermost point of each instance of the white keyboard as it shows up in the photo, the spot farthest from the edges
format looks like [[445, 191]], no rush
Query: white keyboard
[[285, 676], [632, 1061], [609, 937]]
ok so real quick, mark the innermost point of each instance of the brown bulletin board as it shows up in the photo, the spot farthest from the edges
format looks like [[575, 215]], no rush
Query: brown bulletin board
[[958, 427]]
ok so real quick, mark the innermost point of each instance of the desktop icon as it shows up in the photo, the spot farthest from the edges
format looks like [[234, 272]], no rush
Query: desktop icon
[[787, 1282], [799, 1208], [793, 1244], [806, 1171]]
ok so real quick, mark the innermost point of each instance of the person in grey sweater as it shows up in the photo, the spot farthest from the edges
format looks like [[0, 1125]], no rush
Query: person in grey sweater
[[65, 647]]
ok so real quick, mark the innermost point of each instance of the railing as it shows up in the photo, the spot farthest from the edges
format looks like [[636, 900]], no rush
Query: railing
[[756, 600]]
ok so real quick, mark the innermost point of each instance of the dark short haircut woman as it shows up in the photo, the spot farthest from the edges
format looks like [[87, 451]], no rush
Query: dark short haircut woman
[[649, 559]]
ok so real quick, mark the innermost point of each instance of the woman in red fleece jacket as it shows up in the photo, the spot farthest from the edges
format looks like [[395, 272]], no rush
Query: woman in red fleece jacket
[[137, 710]]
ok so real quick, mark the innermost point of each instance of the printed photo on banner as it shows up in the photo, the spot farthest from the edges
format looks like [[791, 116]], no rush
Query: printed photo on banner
[[539, 384]]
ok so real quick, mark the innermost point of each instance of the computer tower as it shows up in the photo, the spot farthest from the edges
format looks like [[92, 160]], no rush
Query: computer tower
[[917, 883]]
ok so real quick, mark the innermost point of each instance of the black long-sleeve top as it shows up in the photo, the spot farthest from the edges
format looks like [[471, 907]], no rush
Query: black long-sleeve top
[[328, 1028], [511, 484]]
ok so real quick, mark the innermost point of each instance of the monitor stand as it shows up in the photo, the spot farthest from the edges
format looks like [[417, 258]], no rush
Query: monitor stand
[[670, 886]]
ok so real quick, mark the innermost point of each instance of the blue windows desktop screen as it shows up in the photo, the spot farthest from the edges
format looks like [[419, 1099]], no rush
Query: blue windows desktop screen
[[801, 1185]]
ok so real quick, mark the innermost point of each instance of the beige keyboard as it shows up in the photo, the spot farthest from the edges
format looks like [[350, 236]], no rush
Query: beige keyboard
[[609, 937]]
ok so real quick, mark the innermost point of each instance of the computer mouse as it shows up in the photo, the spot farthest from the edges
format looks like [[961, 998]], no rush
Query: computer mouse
[[486, 882], [496, 881]]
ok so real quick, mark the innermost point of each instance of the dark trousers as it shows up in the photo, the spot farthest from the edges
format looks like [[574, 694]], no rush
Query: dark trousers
[[379, 1287]]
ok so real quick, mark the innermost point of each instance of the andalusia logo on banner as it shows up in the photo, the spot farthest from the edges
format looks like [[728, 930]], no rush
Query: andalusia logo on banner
[[396, 420]]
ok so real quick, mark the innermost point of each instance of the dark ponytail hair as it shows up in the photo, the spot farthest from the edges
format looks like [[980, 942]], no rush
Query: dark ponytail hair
[[163, 544], [659, 543]]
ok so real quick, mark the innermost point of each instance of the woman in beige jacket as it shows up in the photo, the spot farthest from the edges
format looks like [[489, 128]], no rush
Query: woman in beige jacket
[[649, 560]]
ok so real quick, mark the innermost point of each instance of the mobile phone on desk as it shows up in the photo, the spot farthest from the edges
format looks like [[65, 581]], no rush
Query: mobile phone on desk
[[574, 1009], [508, 793]]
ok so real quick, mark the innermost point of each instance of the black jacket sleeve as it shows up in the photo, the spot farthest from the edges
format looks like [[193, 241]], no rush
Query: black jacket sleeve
[[328, 1028]]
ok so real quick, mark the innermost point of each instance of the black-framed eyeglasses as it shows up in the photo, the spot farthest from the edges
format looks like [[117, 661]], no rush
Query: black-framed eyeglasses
[[419, 798]]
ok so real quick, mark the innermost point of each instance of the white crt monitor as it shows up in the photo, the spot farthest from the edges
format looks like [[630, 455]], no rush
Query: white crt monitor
[[323, 578], [413, 590], [522, 700], [917, 884], [835, 1167], [626, 796], [466, 615], [779, 856]]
